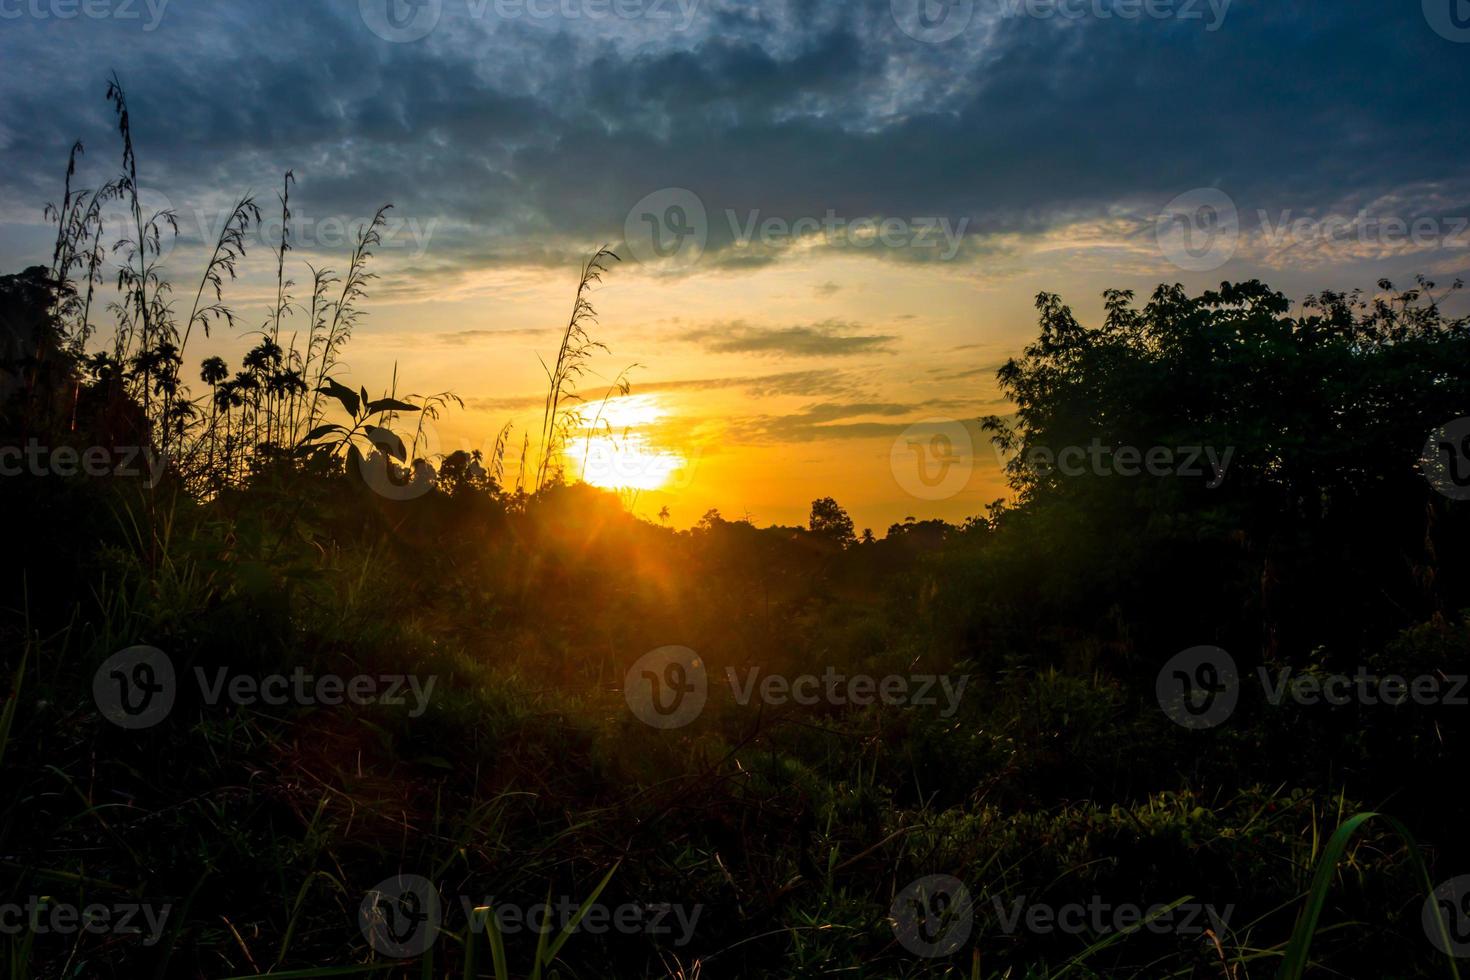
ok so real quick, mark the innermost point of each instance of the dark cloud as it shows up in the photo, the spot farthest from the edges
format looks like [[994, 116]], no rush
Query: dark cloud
[[463, 338], [826, 420], [962, 374], [530, 140], [831, 338]]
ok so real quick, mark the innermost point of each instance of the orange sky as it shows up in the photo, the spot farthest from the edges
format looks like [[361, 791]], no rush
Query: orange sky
[[710, 423], [785, 361]]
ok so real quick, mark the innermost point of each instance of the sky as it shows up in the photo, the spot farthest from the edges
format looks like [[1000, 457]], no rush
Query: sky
[[832, 218]]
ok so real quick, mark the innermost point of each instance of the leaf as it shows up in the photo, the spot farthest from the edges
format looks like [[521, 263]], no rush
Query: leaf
[[571, 926], [343, 394], [363, 392], [386, 441], [390, 405], [322, 430]]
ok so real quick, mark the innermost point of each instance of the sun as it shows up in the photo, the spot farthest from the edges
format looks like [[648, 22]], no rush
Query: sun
[[615, 451]]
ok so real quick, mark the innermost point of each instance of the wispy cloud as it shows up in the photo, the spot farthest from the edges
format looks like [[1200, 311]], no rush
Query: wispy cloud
[[830, 338], [791, 383]]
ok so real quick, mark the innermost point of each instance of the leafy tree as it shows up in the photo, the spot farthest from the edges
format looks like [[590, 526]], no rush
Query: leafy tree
[[830, 521]]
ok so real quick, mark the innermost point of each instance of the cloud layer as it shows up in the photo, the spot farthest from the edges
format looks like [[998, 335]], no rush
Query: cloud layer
[[527, 131]]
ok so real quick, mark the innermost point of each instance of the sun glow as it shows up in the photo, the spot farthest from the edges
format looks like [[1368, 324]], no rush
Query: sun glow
[[616, 451]]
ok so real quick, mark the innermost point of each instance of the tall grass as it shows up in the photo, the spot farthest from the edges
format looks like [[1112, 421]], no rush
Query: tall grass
[[575, 350]]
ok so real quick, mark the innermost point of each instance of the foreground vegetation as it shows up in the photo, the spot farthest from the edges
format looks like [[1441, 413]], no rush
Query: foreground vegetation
[[274, 541]]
